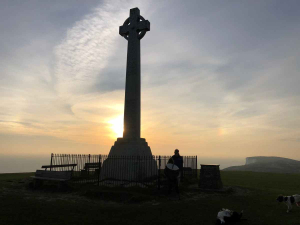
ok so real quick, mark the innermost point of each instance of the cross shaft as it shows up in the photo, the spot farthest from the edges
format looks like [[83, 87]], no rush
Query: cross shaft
[[133, 30]]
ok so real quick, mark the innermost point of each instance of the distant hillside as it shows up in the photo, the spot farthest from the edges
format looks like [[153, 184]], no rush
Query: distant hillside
[[268, 164]]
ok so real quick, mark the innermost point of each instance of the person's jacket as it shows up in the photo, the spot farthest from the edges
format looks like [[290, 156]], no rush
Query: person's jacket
[[177, 160]]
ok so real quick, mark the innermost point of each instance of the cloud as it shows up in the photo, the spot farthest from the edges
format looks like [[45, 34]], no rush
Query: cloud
[[47, 79], [215, 75], [87, 53]]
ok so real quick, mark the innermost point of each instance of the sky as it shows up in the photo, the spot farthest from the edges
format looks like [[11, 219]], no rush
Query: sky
[[220, 79]]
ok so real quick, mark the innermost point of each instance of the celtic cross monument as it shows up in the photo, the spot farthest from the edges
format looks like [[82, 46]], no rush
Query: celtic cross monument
[[133, 30]]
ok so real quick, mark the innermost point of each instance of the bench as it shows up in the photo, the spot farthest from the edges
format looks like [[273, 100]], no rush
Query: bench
[[60, 176], [88, 166], [91, 167], [59, 166], [187, 171]]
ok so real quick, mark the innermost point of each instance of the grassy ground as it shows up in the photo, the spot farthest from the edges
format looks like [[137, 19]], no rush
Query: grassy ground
[[255, 193]]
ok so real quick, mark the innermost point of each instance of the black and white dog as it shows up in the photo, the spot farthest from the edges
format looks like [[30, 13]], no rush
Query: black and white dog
[[289, 200], [225, 216]]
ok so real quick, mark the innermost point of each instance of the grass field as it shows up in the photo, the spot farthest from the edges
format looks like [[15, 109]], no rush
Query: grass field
[[255, 193]]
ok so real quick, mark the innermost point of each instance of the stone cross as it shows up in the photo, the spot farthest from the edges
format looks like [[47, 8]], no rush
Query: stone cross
[[133, 30]]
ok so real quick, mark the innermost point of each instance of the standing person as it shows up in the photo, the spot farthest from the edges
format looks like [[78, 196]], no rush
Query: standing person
[[173, 180], [178, 161]]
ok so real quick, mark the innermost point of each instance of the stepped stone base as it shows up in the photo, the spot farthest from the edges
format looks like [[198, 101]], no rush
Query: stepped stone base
[[210, 177], [130, 147], [131, 160]]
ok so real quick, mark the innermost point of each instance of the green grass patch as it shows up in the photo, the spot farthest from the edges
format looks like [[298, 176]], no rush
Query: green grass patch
[[253, 192], [287, 183], [14, 176]]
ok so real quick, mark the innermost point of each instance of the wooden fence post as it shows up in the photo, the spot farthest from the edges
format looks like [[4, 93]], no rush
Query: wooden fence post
[[51, 161], [158, 173], [99, 170]]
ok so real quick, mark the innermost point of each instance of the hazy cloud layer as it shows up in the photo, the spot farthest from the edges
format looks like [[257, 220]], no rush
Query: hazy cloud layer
[[219, 79]]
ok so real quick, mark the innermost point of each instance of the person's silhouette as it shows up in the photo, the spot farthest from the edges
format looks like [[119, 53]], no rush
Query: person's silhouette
[[174, 178]]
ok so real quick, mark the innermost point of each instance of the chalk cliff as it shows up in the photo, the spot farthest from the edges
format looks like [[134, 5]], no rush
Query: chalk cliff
[[268, 164]]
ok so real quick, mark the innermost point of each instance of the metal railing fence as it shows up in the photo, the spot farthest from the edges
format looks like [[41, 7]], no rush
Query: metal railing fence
[[105, 170]]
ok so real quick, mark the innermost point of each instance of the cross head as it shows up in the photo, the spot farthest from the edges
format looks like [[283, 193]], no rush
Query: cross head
[[135, 26]]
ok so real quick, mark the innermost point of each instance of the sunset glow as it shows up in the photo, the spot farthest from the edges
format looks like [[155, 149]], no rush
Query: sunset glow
[[116, 126], [219, 84]]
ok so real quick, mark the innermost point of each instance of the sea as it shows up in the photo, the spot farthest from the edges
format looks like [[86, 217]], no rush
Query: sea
[[31, 163]]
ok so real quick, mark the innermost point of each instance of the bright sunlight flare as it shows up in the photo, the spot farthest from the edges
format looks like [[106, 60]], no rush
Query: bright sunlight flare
[[117, 126]]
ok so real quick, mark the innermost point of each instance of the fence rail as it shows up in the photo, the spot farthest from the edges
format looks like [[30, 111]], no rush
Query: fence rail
[[105, 170]]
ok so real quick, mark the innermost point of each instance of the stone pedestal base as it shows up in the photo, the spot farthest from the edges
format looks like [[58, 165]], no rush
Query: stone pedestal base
[[130, 147], [210, 177], [129, 160]]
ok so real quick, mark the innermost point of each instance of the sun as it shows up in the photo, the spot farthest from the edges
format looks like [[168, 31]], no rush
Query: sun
[[222, 131], [116, 125]]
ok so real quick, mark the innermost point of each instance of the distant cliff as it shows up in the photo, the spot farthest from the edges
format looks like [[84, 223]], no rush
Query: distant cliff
[[268, 164]]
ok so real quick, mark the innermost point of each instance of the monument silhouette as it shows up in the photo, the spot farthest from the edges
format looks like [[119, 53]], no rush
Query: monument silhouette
[[133, 30]]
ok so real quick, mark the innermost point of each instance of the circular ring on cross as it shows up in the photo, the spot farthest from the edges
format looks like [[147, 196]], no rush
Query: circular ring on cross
[[141, 34]]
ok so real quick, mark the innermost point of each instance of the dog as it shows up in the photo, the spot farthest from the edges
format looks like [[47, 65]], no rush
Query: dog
[[225, 216], [289, 201]]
